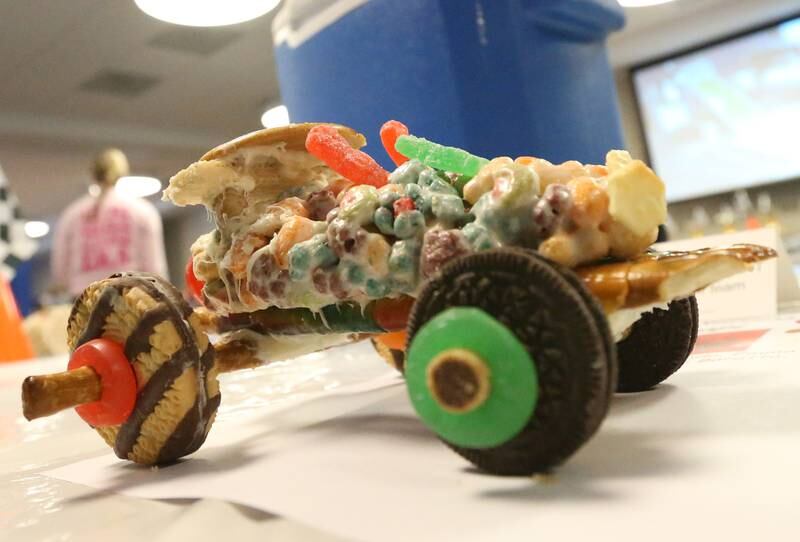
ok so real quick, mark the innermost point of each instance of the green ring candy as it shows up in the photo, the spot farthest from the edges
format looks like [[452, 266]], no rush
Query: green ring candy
[[439, 156], [513, 382]]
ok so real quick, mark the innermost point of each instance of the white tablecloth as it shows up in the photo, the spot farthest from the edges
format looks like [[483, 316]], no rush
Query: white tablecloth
[[683, 434]]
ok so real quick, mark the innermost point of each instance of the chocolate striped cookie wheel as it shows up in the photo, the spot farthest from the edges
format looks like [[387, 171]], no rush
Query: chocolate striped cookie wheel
[[174, 365]]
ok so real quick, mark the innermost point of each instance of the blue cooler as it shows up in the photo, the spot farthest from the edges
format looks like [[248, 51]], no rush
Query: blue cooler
[[495, 77]]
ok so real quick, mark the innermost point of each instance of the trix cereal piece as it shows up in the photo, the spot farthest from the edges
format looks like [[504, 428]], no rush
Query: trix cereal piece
[[403, 205], [327, 144], [390, 131], [440, 157]]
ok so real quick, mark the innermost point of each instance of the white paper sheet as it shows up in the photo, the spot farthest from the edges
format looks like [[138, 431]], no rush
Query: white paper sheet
[[713, 452]]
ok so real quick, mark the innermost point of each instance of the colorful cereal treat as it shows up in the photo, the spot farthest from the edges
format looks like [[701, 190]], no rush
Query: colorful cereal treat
[[388, 194], [308, 255], [353, 272], [551, 209], [359, 204], [408, 173], [376, 256], [505, 178], [438, 185], [403, 263], [479, 237], [449, 209], [295, 230], [390, 131], [320, 204], [344, 237], [409, 224], [376, 288], [404, 205], [439, 156], [440, 246], [384, 220], [421, 196], [326, 143], [636, 197]]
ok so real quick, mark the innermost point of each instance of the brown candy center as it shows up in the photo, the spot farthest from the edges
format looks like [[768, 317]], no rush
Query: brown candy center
[[458, 380]]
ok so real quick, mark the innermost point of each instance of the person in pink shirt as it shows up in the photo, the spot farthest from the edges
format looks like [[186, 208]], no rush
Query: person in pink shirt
[[104, 233]]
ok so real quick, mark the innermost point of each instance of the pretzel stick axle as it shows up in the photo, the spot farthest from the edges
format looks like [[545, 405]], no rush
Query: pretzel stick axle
[[47, 394], [44, 395]]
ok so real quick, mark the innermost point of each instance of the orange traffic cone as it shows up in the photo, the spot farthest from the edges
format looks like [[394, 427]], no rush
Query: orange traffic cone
[[14, 343]]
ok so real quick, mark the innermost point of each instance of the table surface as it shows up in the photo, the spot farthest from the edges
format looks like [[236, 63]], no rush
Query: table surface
[[37, 507]]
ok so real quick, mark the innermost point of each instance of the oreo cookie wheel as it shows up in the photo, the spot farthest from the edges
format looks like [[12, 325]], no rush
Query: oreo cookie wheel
[[142, 372], [668, 337], [509, 360]]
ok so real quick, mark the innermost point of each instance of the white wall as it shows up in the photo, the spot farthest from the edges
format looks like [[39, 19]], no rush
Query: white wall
[[652, 36]]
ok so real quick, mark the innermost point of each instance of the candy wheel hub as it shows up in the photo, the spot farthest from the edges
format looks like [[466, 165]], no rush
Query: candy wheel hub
[[118, 397], [458, 380], [470, 379]]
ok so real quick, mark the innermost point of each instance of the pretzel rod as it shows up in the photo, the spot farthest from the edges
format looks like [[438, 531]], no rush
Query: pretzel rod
[[44, 395]]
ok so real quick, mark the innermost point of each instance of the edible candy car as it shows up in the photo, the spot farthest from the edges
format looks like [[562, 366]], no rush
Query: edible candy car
[[515, 295]]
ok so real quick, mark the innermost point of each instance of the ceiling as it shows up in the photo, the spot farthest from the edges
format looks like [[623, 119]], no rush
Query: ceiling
[[662, 29], [207, 85], [83, 74]]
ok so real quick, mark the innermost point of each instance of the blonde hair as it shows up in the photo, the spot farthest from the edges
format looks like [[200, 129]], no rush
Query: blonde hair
[[109, 166]]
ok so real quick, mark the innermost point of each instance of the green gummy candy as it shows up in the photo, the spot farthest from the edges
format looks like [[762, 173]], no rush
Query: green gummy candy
[[440, 157]]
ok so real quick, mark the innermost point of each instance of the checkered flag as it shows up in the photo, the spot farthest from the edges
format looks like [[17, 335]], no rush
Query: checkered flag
[[15, 245]]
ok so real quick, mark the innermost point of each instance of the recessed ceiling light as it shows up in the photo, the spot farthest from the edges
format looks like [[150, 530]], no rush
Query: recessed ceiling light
[[275, 116], [206, 12], [36, 228], [642, 3], [134, 186]]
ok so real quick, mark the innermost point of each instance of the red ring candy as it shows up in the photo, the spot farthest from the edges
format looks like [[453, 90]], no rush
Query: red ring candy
[[194, 284], [326, 143], [390, 131], [118, 396]]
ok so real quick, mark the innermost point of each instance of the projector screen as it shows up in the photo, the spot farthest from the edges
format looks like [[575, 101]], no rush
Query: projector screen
[[726, 116]]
